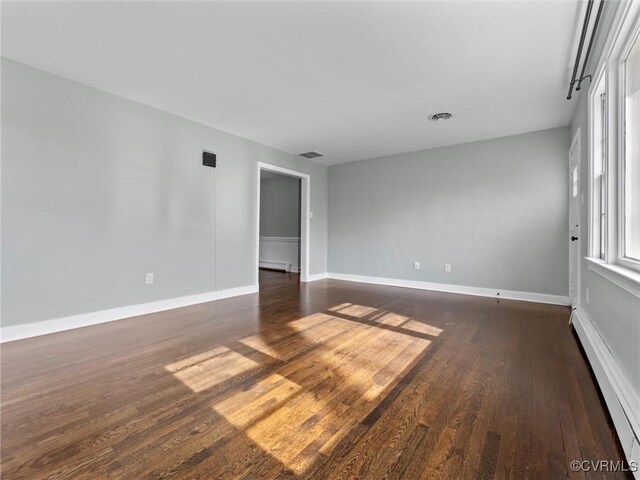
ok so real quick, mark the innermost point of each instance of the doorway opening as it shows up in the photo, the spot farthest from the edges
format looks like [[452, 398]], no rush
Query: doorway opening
[[575, 202], [282, 243]]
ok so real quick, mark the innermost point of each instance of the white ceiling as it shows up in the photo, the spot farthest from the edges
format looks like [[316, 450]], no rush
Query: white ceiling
[[353, 80]]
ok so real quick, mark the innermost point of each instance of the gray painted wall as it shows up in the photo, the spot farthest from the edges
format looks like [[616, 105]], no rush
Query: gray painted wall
[[279, 206], [497, 210], [98, 190]]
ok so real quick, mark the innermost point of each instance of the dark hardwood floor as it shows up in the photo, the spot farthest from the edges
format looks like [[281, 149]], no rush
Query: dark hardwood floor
[[324, 380]]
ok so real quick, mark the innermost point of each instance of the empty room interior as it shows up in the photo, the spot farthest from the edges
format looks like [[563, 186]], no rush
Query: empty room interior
[[320, 240]]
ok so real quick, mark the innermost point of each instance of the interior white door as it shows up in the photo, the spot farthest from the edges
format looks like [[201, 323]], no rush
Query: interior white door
[[575, 200]]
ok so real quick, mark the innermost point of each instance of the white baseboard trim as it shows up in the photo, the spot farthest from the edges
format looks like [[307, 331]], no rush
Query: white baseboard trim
[[314, 276], [461, 289], [622, 401], [286, 267], [280, 239], [27, 330], [235, 292]]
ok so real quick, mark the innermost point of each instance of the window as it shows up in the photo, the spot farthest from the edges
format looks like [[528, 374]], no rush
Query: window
[[631, 156], [602, 176], [614, 154], [598, 168]]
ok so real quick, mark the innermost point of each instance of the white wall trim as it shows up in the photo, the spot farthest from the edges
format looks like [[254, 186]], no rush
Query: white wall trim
[[280, 253], [461, 289], [27, 330], [275, 265], [620, 397], [305, 216], [280, 239], [235, 292], [315, 276], [623, 277]]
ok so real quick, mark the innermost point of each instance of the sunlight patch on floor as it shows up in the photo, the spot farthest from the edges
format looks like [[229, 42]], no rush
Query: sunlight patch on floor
[[339, 307], [308, 404], [392, 319], [297, 336], [309, 321], [245, 407], [385, 318], [206, 370], [264, 344], [195, 359], [357, 311], [420, 327]]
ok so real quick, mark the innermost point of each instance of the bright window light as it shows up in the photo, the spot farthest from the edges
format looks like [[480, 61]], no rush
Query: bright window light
[[631, 246]]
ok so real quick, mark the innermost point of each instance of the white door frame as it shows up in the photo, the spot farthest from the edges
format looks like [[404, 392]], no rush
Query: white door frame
[[305, 206], [575, 213]]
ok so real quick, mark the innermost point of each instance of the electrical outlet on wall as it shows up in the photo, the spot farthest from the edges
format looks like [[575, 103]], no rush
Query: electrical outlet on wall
[[447, 267], [416, 265], [149, 278]]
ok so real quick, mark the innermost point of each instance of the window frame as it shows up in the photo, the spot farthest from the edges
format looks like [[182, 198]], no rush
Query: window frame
[[597, 238], [631, 37], [610, 70], [602, 199]]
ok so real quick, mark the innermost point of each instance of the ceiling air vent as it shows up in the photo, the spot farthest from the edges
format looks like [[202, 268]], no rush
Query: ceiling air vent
[[311, 154], [438, 117]]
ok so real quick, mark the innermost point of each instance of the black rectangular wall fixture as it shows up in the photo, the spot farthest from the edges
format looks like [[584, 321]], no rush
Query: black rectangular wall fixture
[[209, 159]]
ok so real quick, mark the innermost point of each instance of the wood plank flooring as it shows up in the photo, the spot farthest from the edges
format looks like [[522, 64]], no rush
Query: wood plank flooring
[[327, 380]]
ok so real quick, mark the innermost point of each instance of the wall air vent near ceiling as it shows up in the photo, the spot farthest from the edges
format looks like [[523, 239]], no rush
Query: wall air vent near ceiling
[[311, 154]]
